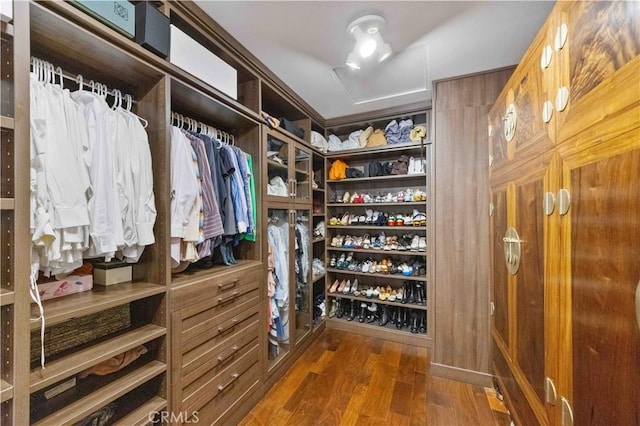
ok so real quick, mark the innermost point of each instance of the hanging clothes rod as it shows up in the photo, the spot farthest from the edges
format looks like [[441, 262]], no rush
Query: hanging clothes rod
[[48, 72], [189, 124]]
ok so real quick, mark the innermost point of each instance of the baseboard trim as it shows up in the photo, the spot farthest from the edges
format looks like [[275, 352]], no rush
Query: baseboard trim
[[461, 375]]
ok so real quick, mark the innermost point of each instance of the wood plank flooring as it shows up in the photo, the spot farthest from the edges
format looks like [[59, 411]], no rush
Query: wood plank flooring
[[348, 379]]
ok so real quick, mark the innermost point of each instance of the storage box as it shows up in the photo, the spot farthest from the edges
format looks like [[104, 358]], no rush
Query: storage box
[[69, 285], [109, 273], [152, 29], [196, 59], [120, 14]]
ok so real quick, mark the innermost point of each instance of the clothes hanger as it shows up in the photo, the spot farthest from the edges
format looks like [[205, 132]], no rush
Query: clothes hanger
[[80, 81], [59, 71]]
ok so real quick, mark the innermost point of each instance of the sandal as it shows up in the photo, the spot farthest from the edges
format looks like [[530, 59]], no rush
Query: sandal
[[366, 242]]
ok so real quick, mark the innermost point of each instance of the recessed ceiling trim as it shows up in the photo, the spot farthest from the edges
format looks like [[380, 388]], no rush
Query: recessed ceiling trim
[[395, 95]]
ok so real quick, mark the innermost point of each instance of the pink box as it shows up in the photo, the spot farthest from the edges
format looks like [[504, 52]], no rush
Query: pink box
[[69, 285]]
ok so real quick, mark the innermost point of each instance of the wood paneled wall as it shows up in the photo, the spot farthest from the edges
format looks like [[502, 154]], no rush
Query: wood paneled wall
[[461, 231]]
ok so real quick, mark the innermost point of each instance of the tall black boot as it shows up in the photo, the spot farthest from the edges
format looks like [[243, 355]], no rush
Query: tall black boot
[[412, 293], [363, 312], [393, 314], [399, 319], [406, 317], [341, 308], [353, 312], [418, 294], [405, 292], [414, 321], [422, 326], [384, 317]]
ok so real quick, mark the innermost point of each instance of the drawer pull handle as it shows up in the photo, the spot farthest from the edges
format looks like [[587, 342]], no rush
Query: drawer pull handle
[[228, 327], [222, 300], [234, 376], [227, 286], [232, 352]]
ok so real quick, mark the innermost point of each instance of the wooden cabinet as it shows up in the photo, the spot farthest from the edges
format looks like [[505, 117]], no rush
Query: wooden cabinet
[[215, 324], [565, 330], [288, 166]]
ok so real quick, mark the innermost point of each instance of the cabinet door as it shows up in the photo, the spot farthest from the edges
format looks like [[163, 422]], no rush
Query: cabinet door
[[301, 272], [301, 174], [500, 274], [600, 64], [278, 284], [601, 232], [525, 316], [278, 179]]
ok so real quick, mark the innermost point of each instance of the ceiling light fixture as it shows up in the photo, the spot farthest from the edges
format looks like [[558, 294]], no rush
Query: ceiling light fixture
[[366, 31]]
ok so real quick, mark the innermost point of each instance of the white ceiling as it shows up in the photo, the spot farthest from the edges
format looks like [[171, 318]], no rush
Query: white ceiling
[[305, 43]]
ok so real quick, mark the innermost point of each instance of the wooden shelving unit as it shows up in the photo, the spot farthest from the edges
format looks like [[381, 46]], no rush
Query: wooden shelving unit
[[6, 391], [81, 304], [380, 251], [87, 405], [376, 275]]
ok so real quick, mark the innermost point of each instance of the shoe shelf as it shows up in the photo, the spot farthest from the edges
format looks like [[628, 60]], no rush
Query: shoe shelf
[[83, 407], [140, 416], [277, 165], [382, 302], [384, 228], [421, 278], [318, 240], [319, 189], [97, 300], [318, 277], [7, 204], [374, 251], [80, 360], [6, 297], [417, 176], [364, 152], [318, 215], [388, 332], [7, 122], [370, 205], [6, 391]]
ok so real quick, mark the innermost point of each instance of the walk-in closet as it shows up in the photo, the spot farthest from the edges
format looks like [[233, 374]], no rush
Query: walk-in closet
[[319, 213]]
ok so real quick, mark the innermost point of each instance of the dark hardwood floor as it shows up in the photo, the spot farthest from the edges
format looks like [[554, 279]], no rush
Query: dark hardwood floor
[[348, 379]]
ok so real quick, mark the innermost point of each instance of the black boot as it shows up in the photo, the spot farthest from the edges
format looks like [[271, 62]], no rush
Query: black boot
[[340, 311], [353, 312], [422, 326], [418, 294], [384, 317], [399, 319], [405, 292], [414, 321], [412, 293], [406, 317], [393, 314], [363, 312]]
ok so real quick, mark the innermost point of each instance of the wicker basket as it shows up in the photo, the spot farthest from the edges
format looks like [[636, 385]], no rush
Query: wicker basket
[[75, 332]]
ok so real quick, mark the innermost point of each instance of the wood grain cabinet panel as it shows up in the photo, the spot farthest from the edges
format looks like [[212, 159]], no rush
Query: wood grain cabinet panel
[[500, 277], [603, 243], [573, 193]]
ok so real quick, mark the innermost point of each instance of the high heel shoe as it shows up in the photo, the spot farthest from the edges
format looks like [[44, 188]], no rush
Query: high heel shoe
[[384, 318], [363, 312], [341, 287], [334, 286], [347, 287]]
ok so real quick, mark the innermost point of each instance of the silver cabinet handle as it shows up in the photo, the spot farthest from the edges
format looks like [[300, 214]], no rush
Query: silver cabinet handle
[[234, 376]]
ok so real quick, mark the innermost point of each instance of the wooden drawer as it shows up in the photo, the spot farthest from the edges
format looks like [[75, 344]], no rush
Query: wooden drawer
[[221, 387], [210, 326], [213, 355], [215, 410], [213, 289]]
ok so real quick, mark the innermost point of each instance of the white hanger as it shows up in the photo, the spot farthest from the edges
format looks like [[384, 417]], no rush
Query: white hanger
[[80, 81], [59, 71]]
